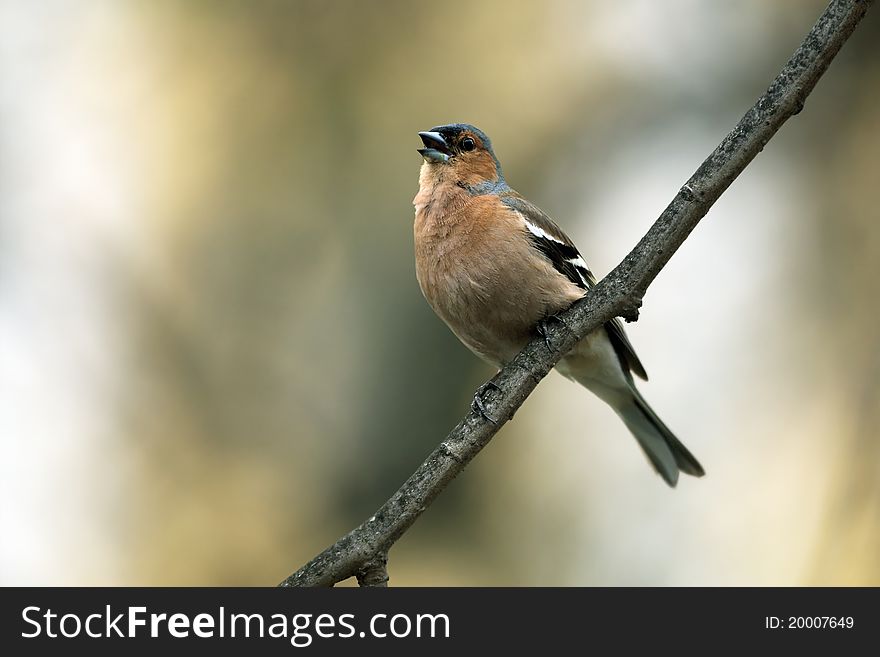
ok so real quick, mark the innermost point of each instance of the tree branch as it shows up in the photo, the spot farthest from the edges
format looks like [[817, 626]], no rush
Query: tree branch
[[362, 552]]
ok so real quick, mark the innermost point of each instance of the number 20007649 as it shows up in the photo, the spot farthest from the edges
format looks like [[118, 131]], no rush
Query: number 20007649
[[808, 622]]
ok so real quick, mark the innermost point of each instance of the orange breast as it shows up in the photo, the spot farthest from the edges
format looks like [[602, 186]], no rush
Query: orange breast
[[480, 274]]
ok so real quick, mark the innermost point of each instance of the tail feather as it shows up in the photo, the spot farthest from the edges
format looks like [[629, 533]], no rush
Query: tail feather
[[665, 452], [592, 365]]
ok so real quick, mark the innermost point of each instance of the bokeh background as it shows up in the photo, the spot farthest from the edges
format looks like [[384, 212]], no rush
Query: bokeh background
[[215, 359]]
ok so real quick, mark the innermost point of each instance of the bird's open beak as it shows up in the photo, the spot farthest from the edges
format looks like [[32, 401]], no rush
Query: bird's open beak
[[436, 149]]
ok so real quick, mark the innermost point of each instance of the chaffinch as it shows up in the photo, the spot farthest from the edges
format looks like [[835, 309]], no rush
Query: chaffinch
[[493, 266]]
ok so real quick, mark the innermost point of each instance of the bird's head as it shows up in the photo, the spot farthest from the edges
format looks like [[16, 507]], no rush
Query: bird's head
[[461, 153]]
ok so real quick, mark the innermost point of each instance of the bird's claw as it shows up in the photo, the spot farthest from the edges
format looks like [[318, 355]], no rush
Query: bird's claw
[[477, 405], [543, 329]]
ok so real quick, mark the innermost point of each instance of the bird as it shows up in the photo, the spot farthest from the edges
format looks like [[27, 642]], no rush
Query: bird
[[494, 267]]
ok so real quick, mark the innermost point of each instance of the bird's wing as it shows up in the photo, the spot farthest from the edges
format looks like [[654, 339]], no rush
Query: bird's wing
[[549, 239]]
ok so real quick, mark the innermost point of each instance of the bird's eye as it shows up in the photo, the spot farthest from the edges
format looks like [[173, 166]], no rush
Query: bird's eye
[[468, 144]]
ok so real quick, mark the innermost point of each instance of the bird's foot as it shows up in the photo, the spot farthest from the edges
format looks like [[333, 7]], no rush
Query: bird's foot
[[478, 406], [543, 329]]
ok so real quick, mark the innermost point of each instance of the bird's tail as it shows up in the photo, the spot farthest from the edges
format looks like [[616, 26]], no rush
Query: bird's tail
[[665, 452]]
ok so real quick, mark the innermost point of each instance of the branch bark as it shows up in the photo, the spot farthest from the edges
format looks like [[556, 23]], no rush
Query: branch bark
[[363, 551]]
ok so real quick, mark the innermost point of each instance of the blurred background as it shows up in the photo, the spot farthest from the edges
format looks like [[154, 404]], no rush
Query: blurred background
[[215, 358]]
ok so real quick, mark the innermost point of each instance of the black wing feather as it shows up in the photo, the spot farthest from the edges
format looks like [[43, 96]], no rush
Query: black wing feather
[[558, 248]]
